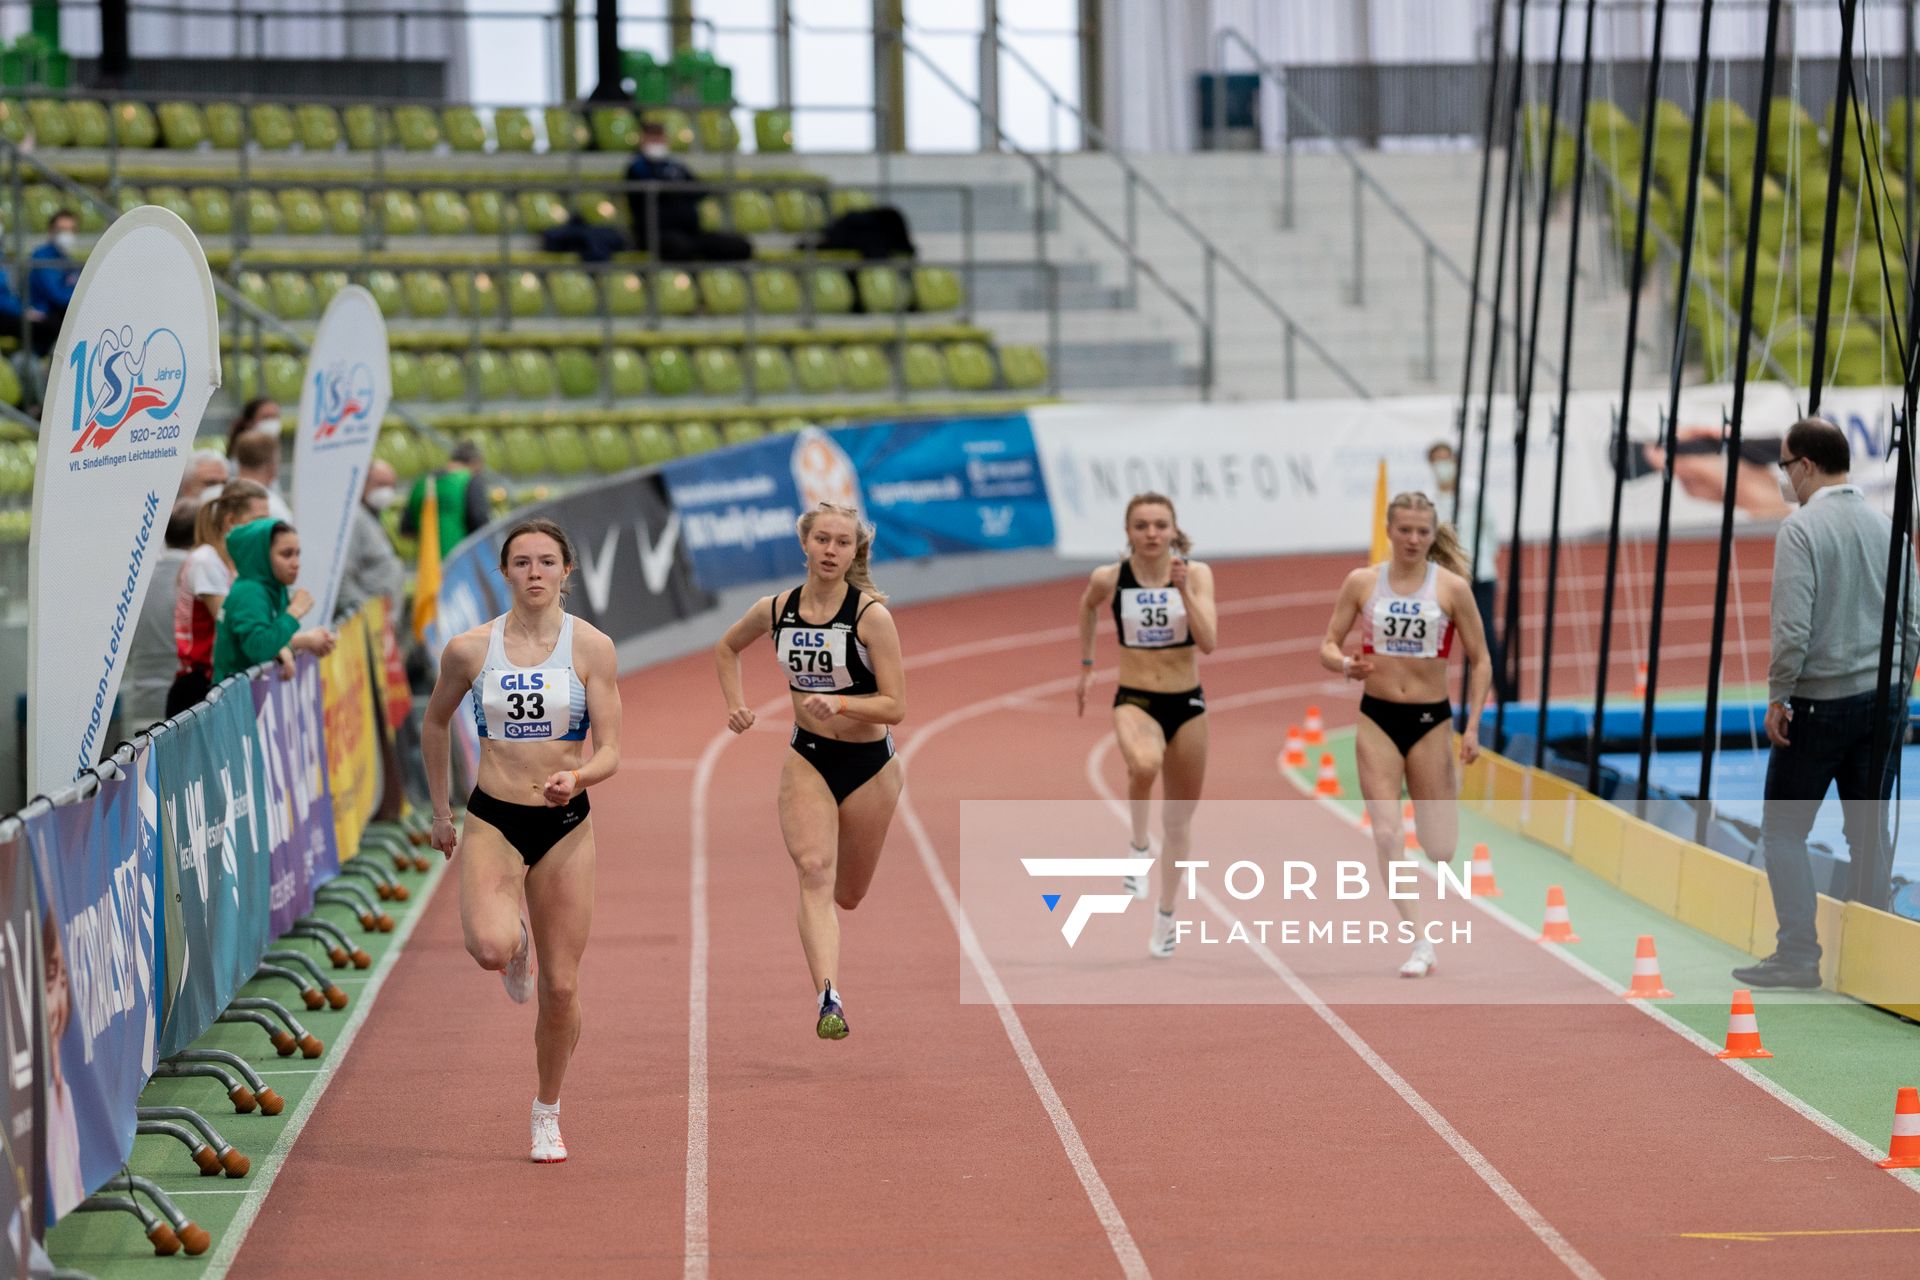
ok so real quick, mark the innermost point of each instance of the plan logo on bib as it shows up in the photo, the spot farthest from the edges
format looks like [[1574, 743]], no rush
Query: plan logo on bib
[[344, 405], [119, 383]]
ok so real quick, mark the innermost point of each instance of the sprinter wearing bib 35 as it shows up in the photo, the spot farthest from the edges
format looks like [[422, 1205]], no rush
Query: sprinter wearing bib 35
[[840, 656], [539, 681], [1415, 609], [1163, 610]]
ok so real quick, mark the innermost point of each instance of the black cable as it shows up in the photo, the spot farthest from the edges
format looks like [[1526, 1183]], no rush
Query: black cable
[[1479, 244], [1842, 102]]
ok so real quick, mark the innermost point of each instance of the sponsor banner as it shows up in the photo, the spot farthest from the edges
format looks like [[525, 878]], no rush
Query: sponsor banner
[[396, 695], [299, 806], [350, 734], [137, 359], [94, 863], [1291, 477], [930, 488], [215, 850], [22, 1044], [342, 403]]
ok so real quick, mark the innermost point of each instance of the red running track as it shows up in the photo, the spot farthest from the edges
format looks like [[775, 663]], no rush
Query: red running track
[[1579, 1138]]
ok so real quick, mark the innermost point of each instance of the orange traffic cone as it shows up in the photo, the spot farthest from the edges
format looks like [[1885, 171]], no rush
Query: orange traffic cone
[[1295, 756], [1904, 1151], [1316, 730], [1412, 841], [1743, 1031], [1558, 926], [1366, 818], [1328, 783], [1640, 680], [1482, 884], [1646, 973]]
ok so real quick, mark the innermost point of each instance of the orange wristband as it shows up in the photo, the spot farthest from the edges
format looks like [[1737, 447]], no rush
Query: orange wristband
[[575, 775]]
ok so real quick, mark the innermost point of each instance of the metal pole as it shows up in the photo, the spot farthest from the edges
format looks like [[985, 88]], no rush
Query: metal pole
[[783, 54], [1637, 271], [1868, 888], [990, 78], [1842, 100], [1566, 380], [1479, 242], [1212, 325], [1711, 726], [569, 20], [1133, 233], [1432, 345], [1912, 35], [1529, 363], [1359, 294], [606, 29]]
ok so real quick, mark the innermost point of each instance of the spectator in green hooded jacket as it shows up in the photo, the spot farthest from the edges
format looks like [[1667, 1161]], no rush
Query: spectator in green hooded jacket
[[261, 617]]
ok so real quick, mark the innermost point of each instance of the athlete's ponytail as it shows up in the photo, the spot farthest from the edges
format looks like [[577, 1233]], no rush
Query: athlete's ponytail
[[1445, 550], [859, 571], [1181, 542]]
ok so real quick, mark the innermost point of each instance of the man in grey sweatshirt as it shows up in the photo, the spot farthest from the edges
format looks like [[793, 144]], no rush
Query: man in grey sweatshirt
[[1828, 611]]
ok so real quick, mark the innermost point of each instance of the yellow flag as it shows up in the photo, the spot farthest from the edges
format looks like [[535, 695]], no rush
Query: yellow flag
[[426, 584], [1382, 549]]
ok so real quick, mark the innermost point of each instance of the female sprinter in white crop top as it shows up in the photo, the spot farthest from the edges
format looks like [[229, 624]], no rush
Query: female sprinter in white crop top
[[539, 680], [1163, 611], [1414, 610], [840, 656]]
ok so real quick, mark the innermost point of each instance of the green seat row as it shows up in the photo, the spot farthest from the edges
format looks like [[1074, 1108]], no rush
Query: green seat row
[[566, 450]]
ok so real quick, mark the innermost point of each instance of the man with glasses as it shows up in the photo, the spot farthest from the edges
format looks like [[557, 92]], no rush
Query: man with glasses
[[1828, 610]]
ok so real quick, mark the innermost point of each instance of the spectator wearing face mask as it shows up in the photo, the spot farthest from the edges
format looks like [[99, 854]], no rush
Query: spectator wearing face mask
[[261, 412], [373, 568], [206, 472], [256, 457], [50, 288], [673, 207]]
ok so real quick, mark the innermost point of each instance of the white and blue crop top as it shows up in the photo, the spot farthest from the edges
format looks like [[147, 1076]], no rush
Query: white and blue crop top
[[544, 703]]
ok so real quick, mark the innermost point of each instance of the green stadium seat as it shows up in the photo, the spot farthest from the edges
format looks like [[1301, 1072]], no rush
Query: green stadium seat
[[417, 127], [525, 297], [92, 221], [772, 370], [713, 214], [1791, 138], [540, 211], [51, 127], [284, 374], [130, 198], [652, 443], [445, 213], [89, 123], [225, 126], [493, 449], [696, 437], [566, 450], [776, 291], [13, 122], [741, 431], [628, 376], [385, 288], [969, 366], [240, 376], [272, 126], [796, 211], [573, 293], [718, 371], [1860, 127], [598, 210], [524, 456], [936, 289], [679, 128], [626, 293], [175, 201], [881, 290], [346, 212], [752, 212], [293, 297], [486, 211], [318, 125], [491, 374], [427, 294], [327, 285], [816, 369], [302, 212], [670, 371], [772, 132], [444, 376], [1859, 358], [263, 214], [475, 294], [134, 125], [864, 368], [922, 368], [576, 372], [532, 373], [368, 128], [512, 130], [1023, 368], [399, 213], [717, 131], [848, 200], [182, 127], [409, 382], [397, 448], [1729, 134], [609, 449], [723, 291], [832, 291], [566, 131], [253, 287], [462, 128], [615, 129], [676, 293]]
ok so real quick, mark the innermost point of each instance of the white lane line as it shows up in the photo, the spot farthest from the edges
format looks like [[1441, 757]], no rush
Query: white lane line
[[1910, 1178], [236, 1233], [1469, 1154]]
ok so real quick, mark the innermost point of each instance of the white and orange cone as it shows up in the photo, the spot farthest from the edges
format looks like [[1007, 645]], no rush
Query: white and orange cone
[[1412, 841], [1743, 1030], [1640, 680], [1482, 885], [1558, 926], [1903, 1152], [1316, 728], [1328, 783], [1295, 756], [1646, 983]]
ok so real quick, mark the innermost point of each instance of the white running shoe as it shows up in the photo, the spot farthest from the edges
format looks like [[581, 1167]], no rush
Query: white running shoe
[[1421, 963], [548, 1146], [1137, 885], [519, 973], [1161, 947]]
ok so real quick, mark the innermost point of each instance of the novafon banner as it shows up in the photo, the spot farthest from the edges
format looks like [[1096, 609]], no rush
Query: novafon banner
[[94, 862], [21, 1044], [342, 404], [137, 359], [299, 804]]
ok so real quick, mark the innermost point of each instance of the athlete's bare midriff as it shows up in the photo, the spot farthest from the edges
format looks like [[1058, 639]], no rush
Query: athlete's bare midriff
[[1160, 670]]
